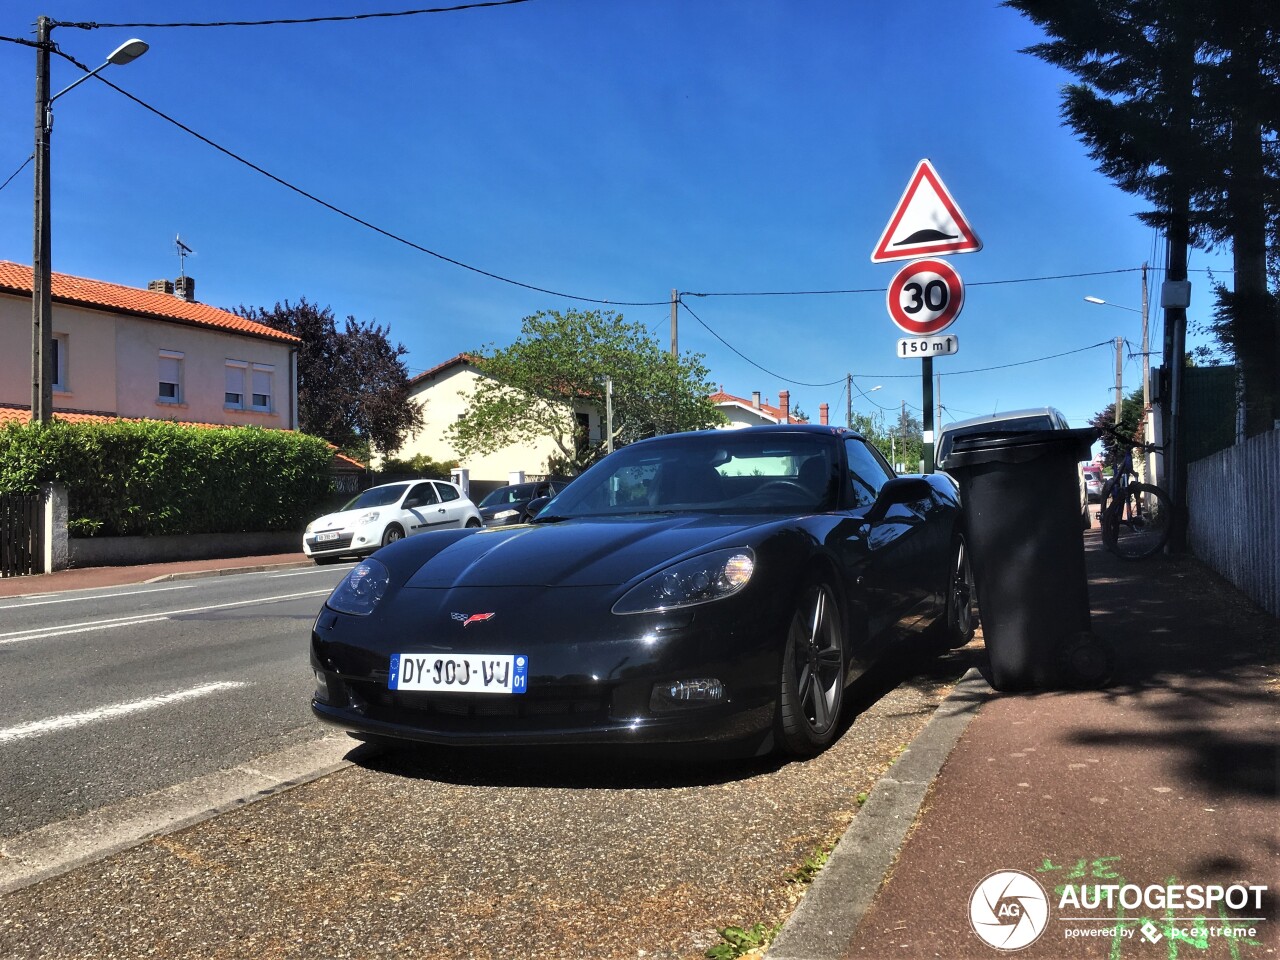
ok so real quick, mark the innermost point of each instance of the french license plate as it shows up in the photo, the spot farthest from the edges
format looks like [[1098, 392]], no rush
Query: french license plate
[[459, 673], [324, 537]]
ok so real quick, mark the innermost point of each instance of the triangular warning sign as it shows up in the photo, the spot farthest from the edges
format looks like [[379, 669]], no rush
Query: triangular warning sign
[[927, 222]]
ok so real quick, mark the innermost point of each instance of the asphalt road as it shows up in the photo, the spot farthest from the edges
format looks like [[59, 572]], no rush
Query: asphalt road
[[118, 692]]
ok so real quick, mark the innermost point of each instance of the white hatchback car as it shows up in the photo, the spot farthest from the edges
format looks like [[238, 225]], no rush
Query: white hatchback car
[[384, 514]]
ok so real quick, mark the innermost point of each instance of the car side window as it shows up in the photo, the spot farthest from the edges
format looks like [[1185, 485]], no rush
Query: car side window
[[446, 492], [423, 493], [867, 472]]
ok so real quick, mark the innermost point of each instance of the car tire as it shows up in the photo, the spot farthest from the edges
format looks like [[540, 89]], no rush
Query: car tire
[[959, 617], [473, 524], [393, 533], [811, 688]]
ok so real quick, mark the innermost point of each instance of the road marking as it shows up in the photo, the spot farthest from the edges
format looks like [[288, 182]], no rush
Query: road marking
[[92, 596], [44, 633], [70, 720]]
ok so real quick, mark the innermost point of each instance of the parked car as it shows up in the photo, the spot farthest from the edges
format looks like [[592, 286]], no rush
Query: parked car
[[1093, 481], [1035, 418], [385, 514], [719, 588], [511, 504]]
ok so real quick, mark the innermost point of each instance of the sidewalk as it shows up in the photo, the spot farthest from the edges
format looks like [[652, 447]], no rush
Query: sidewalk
[[1167, 777], [89, 577]]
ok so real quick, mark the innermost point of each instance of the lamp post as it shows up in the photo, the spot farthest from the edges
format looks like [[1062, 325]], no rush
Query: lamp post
[[41, 269]]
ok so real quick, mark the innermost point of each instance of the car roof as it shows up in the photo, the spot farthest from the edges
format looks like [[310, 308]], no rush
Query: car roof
[[1025, 414]]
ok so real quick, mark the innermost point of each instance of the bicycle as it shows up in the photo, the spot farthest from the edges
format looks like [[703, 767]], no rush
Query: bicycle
[[1136, 517]]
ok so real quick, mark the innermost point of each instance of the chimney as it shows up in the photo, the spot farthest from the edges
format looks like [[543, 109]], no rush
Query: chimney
[[823, 410], [755, 399], [185, 287], [160, 286], [784, 404]]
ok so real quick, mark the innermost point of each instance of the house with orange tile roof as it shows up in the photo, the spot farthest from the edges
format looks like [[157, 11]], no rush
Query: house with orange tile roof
[[754, 412], [125, 352], [443, 394]]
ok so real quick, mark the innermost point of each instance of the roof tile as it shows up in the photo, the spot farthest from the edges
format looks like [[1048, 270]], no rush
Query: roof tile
[[16, 278]]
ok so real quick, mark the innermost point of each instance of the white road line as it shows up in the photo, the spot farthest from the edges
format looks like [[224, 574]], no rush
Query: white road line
[[69, 720], [44, 633], [91, 596]]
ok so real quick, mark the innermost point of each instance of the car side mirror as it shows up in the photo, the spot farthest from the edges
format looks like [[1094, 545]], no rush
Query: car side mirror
[[534, 506], [895, 491]]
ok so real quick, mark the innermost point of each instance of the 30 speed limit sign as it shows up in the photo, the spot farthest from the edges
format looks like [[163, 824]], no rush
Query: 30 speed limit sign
[[925, 297]]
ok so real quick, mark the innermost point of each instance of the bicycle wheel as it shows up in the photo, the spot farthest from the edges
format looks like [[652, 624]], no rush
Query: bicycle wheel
[[1139, 525]]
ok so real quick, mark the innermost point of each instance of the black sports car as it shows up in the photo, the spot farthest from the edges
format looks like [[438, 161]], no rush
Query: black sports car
[[719, 586]]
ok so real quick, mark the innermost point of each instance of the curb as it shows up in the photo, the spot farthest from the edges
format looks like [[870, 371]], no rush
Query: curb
[[823, 925], [58, 848], [228, 571]]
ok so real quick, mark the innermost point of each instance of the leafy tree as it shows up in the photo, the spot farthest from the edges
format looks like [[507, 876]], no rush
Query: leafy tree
[[419, 465], [560, 361], [353, 386], [1179, 102], [907, 442], [1104, 421]]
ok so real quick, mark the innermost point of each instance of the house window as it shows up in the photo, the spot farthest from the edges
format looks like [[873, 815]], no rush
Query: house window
[[261, 398], [170, 377], [59, 348], [234, 397]]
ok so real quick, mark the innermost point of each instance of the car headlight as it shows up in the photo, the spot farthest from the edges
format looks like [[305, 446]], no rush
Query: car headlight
[[703, 579], [370, 517], [503, 514], [361, 589]]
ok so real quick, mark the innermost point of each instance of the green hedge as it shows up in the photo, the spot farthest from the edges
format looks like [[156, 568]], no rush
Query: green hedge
[[153, 477]]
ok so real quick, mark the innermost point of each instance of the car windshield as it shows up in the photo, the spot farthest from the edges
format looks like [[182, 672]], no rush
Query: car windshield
[[377, 497], [727, 471], [504, 495]]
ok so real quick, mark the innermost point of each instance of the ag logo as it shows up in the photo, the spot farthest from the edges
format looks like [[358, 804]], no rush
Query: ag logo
[[1009, 910]]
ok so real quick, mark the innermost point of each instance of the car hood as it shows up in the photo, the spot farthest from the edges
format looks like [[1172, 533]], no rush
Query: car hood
[[595, 551], [343, 518]]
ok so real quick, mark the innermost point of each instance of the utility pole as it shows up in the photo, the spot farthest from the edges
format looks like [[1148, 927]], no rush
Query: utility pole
[[1119, 377], [1148, 473], [848, 397], [675, 308], [926, 373], [41, 298]]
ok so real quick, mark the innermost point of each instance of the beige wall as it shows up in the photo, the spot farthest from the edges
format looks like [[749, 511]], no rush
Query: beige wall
[[443, 399], [112, 366]]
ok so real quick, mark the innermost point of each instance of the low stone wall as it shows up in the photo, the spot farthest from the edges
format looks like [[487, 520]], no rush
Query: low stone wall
[[125, 551]]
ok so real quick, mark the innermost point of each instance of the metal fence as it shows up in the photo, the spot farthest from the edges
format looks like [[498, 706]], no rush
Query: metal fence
[[20, 522], [1233, 507]]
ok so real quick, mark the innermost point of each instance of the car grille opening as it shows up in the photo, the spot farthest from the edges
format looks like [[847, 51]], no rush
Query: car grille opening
[[410, 707]]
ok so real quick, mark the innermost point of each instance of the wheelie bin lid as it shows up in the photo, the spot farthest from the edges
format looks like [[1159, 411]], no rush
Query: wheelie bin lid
[[1013, 446]]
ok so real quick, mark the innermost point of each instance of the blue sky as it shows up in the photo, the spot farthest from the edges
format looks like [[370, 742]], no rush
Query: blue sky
[[613, 150]]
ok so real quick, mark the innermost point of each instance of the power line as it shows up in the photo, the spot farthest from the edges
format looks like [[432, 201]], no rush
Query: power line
[[799, 383], [269, 23], [18, 171], [351, 216]]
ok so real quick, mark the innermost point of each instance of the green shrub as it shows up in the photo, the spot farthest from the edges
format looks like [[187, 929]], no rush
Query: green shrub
[[153, 477]]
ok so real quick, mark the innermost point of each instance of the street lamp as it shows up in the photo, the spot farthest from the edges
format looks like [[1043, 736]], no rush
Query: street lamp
[[41, 269]]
